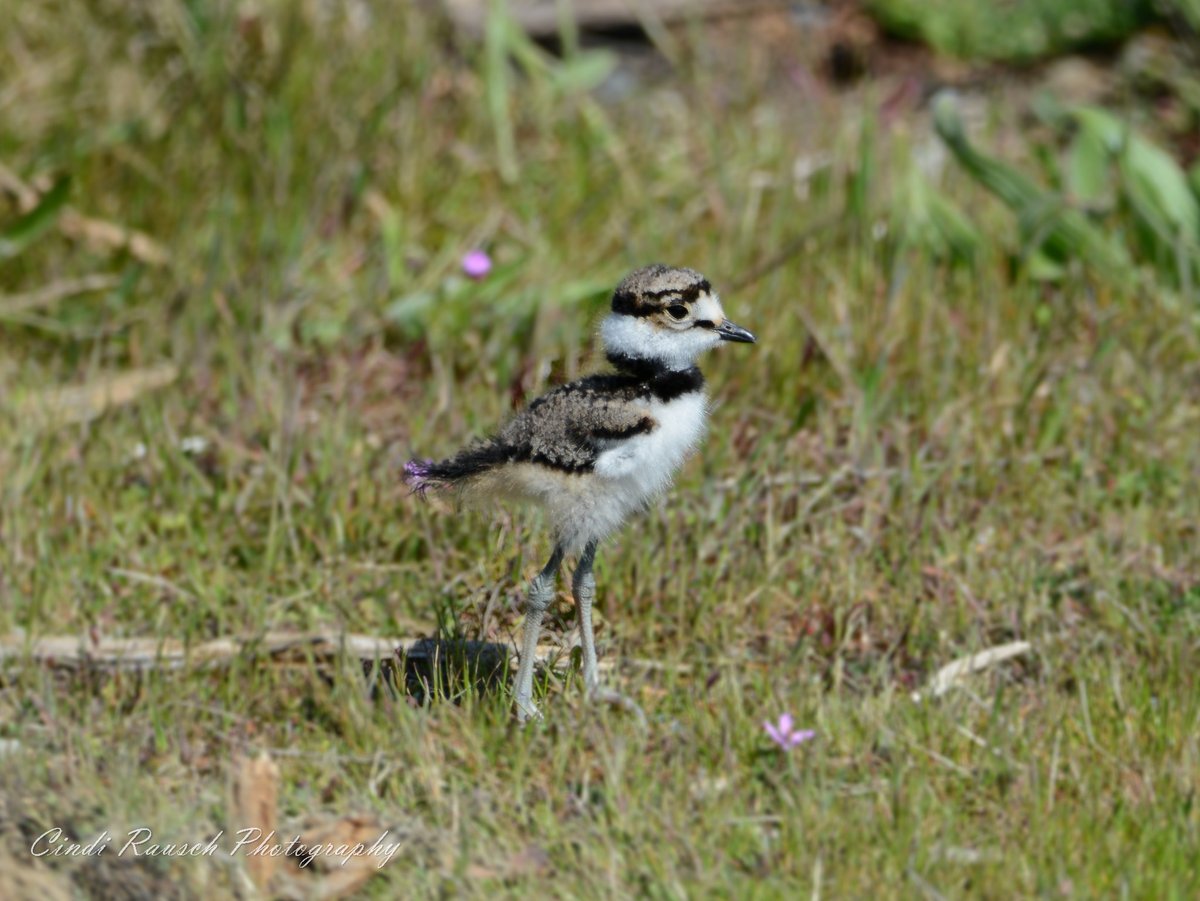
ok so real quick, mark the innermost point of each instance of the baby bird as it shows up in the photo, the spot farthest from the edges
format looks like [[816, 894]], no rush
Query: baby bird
[[593, 451]]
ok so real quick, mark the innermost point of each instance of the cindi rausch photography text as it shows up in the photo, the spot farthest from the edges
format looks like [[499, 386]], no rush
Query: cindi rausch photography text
[[249, 842]]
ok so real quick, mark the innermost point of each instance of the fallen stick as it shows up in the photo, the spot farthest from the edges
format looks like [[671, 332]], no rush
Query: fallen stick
[[83, 652], [544, 19]]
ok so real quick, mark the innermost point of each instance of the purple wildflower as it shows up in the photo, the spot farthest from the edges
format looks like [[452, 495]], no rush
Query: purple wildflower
[[784, 735], [476, 264]]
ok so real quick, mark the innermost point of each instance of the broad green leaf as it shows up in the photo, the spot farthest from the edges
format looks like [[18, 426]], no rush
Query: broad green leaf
[[1103, 125], [1089, 175], [585, 71], [1154, 181], [1149, 171], [1060, 232], [1007, 182]]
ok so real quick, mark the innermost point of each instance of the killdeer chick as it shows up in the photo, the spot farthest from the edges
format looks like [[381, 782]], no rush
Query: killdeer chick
[[593, 451]]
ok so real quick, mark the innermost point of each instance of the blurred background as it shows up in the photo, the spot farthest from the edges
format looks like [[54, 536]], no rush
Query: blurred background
[[254, 255]]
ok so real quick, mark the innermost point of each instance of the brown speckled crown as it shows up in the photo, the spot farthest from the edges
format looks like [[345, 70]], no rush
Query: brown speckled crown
[[652, 288]]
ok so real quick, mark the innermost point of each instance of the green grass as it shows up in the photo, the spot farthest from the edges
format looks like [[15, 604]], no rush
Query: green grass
[[916, 462], [1022, 31]]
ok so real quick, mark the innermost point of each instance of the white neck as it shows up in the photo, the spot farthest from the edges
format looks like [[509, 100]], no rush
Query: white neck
[[638, 337]]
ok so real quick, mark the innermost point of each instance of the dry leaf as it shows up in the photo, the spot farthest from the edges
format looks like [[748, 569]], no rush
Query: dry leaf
[[953, 673], [52, 293], [81, 403], [96, 232], [102, 235], [255, 800], [350, 850]]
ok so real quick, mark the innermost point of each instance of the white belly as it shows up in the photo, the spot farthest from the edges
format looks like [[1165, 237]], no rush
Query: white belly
[[642, 466], [588, 506]]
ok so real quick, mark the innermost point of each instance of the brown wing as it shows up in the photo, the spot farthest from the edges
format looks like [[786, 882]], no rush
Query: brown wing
[[569, 427]]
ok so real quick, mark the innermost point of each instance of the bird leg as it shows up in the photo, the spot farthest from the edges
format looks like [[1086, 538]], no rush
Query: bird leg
[[541, 593], [583, 587]]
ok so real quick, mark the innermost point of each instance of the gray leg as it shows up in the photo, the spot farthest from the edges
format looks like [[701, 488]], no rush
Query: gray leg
[[583, 586], [541, 593]]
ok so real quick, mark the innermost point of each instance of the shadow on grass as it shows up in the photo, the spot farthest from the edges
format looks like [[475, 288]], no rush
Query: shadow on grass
[[442, 669]]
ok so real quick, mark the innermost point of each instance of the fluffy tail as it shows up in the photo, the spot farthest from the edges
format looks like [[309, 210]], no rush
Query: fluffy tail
[[419, 476], [422, 475]]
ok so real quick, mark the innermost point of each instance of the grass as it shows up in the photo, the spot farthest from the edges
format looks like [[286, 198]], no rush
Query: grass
[[919, 460]]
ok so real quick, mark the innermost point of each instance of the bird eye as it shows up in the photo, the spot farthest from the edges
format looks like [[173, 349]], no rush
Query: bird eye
[[677, 311]]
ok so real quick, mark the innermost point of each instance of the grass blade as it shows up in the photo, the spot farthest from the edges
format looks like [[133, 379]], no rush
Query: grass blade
[[33, 224]]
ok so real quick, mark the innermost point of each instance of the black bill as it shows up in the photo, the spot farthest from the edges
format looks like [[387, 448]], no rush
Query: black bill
[[730, 331]]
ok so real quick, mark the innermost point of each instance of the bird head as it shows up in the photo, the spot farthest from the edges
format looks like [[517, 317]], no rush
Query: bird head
[[667, 315]]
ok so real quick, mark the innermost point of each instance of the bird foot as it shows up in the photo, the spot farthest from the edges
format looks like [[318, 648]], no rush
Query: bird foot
[[607, 696], [527, 710]]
